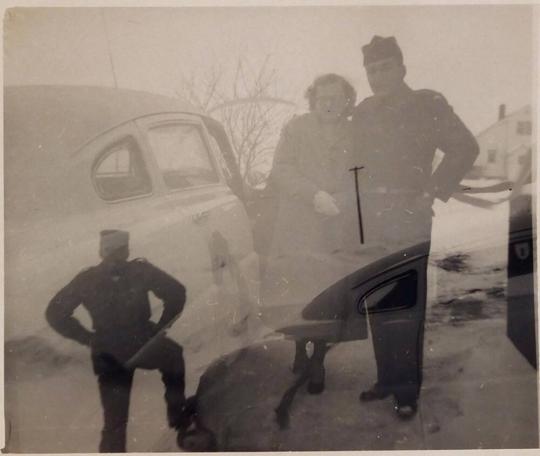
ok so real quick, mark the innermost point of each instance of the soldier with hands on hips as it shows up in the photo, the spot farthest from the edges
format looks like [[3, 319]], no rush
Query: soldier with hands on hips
[[396, 134], [115, 294]]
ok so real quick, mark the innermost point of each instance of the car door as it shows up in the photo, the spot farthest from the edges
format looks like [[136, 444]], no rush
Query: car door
[[520, 292], [391, 289], [83, 192], [162, 229], [397, 299], [236, 264], [187, 165]]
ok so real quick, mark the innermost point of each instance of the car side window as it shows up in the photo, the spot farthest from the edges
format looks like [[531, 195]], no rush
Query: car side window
[[182, 156], [120, 172], [396, 294]]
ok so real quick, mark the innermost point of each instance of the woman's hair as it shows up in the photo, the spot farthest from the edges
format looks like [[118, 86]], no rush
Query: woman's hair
[[331, 78]]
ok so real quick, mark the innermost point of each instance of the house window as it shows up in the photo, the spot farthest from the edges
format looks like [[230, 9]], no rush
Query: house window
[[524, 127], [525, 158], [492, 155]]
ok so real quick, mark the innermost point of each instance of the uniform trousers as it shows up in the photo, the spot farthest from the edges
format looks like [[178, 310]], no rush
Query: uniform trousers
[[115, 382], [398, 335], [398, 341]]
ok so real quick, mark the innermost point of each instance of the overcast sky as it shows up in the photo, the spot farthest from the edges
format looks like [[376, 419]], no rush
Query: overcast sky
[[477, 56]]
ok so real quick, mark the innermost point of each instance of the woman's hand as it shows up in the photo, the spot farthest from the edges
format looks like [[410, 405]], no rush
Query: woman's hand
[[325, 204]]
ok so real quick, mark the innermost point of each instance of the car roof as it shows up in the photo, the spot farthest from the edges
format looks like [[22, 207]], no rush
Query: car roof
[[63, 118]]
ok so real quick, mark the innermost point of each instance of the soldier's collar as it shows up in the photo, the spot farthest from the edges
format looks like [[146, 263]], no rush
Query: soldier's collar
[[396, 98]]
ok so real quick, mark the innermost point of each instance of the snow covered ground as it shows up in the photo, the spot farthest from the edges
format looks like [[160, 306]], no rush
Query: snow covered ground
[[478, 391]]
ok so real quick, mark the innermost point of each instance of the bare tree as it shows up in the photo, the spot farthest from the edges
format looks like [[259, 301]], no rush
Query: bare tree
[[246, 102]]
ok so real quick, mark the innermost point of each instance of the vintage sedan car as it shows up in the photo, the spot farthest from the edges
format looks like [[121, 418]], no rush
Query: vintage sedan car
[[82, 159], [78, 160]]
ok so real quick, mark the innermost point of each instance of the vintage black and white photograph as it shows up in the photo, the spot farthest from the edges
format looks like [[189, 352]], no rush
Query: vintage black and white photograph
[[272, 227]]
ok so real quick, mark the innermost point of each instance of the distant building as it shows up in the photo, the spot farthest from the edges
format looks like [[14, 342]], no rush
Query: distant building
[[505, 146]]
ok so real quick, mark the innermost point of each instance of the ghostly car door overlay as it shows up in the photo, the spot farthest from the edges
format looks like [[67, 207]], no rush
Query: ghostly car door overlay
[[396, 294]]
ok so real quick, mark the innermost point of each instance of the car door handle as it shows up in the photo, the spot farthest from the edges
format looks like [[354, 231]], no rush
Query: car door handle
[[218, 262], [200, 217]]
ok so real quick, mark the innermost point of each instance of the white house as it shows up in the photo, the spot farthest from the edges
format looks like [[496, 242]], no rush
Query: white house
[[505, 146]]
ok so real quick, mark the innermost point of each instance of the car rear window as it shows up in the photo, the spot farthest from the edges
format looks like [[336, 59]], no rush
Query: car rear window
[[120, 172], [182, 156]]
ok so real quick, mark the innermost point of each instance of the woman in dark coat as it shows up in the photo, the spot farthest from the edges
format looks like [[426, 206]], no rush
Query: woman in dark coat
[[315, 220]]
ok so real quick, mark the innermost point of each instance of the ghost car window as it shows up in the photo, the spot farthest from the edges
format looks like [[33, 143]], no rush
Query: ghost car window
[[120, 172], [181, 156], [398, 293]]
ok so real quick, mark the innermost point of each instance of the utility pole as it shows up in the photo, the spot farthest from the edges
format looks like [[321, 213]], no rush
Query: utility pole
[[109, 47], [359, 210]]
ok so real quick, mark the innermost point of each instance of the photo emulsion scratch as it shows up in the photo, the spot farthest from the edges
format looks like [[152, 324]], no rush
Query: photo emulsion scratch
[[288, 228]]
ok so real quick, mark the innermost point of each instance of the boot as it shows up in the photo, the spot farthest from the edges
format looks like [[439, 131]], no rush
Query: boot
[[301, 360]]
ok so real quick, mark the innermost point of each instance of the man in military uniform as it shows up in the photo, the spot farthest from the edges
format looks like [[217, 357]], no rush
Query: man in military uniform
[[115, 294], [397, 131]]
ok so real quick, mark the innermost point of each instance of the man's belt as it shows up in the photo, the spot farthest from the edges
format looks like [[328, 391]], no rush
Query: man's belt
[[384, 190]]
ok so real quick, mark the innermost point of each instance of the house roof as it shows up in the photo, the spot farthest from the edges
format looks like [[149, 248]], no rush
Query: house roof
[[505, 119]]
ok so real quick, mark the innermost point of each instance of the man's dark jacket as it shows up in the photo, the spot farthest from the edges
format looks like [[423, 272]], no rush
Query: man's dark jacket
[[395, 139], [118, 304]]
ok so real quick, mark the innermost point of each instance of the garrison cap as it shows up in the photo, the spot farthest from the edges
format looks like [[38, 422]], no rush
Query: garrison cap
[[381, 48], [111, 240]]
